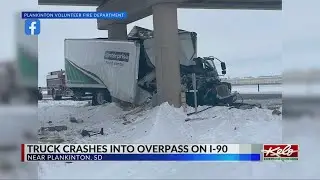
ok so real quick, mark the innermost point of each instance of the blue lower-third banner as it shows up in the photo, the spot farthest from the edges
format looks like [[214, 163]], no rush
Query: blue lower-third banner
[[74, 15], [142, 157]]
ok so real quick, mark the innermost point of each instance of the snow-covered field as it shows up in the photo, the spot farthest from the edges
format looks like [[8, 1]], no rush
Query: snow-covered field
[[165, 124], [254, 89], [307, 89]]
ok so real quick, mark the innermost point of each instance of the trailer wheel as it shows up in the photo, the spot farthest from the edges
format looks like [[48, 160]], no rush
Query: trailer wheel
[[101, 97], [77, 95]]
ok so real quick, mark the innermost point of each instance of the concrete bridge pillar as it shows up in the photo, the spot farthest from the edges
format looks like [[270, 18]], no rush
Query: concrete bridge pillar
[[117, 32], [167, 47]]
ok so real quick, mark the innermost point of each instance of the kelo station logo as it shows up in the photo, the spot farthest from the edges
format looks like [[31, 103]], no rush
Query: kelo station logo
[[280, 152]]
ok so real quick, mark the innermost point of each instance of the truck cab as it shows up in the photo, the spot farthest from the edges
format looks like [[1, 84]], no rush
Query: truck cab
[[56, 85], [210, 90]]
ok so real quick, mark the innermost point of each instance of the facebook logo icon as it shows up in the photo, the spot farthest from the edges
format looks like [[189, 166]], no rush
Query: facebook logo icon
[[32, 27]]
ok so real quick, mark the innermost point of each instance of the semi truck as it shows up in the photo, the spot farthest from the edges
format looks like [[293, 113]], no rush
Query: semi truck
[[125, 70], [56, 85]]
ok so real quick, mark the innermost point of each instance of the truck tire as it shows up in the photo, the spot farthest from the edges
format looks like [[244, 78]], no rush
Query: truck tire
[[55, 96], [40, 96], [101, 97]]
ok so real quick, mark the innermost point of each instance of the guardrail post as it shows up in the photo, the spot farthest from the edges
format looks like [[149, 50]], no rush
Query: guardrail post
[[194, 83]]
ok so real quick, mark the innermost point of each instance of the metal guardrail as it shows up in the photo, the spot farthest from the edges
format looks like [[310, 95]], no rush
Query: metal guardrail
[[256, 96], [254, 81]]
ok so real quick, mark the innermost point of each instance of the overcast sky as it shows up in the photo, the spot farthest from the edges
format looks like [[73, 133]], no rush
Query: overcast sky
[[252, 43]]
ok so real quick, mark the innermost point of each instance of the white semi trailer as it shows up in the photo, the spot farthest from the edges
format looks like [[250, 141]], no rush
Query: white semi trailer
[[126, 69]]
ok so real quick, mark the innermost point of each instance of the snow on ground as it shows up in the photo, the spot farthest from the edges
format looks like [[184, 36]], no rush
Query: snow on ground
[[165, 124], [265, 103], [254, 89]]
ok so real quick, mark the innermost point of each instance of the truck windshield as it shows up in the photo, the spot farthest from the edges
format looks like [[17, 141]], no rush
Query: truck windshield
[[210, 67]]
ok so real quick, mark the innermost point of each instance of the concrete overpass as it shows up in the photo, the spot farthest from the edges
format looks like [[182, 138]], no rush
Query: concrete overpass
[[203, 4], [165, 30]]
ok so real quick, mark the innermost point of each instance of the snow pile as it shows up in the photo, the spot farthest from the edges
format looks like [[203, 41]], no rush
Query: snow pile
[[168, 127], [165, 124]]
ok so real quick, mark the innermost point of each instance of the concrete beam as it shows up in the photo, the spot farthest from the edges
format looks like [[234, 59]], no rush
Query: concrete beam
[[167, 48], [201, 4], [233, 4], [117, 32], [138, 9]]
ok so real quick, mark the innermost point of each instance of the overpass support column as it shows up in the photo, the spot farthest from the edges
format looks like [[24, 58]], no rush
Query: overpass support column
[[117, 32], [167, 46]]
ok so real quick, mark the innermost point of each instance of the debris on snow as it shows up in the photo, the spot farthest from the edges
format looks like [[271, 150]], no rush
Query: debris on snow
[[244, 106], [74, 120], [85, 133], [189, 114], [276, 112], [54, 128], [166, 124], [274, 107], [198, 118], [53, 140]]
